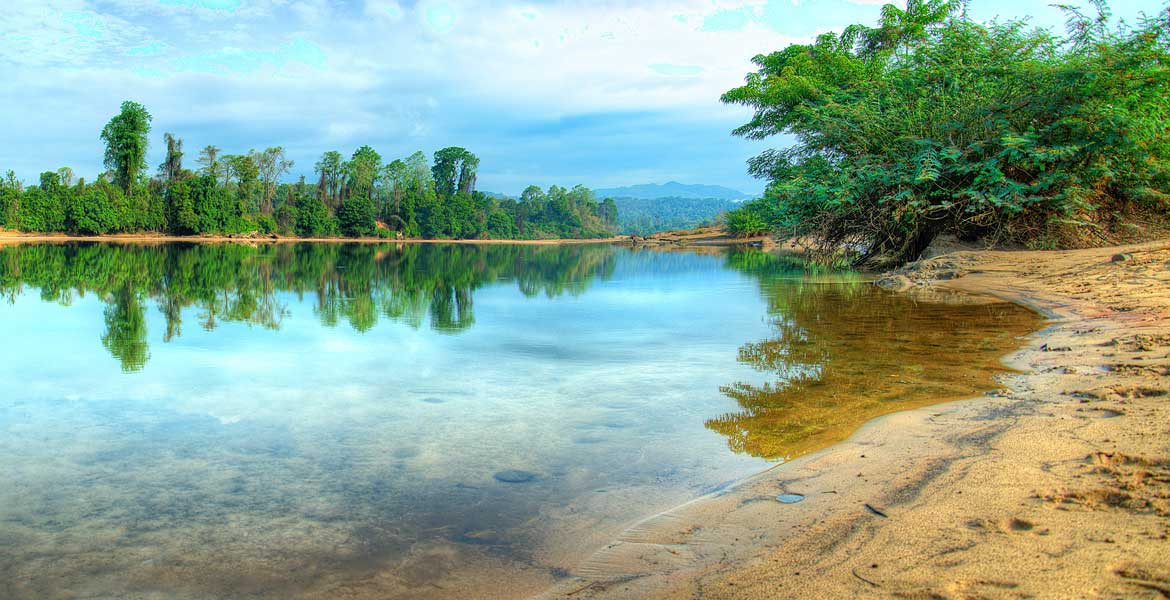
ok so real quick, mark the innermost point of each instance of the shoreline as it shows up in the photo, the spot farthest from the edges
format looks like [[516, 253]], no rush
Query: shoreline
[[1056, 486], [12, 237]]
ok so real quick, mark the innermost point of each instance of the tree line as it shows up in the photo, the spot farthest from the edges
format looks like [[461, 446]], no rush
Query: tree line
[[932, 123], [644, 216], [226, 193]]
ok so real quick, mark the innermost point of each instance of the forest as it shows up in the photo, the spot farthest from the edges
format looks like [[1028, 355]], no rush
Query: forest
[[932, 123], [650, 215], [229, 194]]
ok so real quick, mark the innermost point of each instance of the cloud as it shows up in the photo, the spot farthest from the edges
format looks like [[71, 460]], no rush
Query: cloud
[[599, 92], [675, 70], [388, 10], [727, 20], [236, 60], [226, 5]]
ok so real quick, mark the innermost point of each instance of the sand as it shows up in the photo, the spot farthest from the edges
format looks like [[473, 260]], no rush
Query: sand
[[1058, 486]]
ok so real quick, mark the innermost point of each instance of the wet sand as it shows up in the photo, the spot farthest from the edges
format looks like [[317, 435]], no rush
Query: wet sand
[[1058, 486]]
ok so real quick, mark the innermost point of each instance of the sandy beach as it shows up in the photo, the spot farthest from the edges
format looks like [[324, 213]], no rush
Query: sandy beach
[[1057, 486]]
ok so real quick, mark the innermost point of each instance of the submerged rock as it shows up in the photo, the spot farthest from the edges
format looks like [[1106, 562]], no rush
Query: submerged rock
[[894, 283], [514, 476]]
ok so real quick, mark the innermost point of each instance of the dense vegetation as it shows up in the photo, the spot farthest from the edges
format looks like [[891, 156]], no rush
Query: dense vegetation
[[355, 283], [650, 215], [229, 194], [931, 123]]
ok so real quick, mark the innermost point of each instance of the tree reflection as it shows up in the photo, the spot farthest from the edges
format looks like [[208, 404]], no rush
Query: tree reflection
[[125, 335], [358, 284], [844, 352]]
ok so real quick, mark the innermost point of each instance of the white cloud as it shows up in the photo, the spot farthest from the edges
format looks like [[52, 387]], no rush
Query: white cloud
[[594, 92]]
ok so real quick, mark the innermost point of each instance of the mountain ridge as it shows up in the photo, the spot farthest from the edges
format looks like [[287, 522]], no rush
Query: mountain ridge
[[672, 189]]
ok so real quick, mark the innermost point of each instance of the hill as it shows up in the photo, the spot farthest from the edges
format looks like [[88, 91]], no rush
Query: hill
[[650, 215], [672, 189]]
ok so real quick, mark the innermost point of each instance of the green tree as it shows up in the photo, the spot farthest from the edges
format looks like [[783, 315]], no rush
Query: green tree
[[65, 176], [125, 137], [172, 166], [247, 174], [209, 158], [932, 123], [356, 217], [313, 218], [331, 171], [454, 171], [271, 164], [92, 213], [362, 172]]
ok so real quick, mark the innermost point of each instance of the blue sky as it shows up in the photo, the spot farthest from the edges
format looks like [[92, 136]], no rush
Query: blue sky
[[600, 92]]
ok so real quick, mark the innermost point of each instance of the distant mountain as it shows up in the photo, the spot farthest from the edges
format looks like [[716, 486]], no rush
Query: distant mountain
[[672, 189], [650, 215]]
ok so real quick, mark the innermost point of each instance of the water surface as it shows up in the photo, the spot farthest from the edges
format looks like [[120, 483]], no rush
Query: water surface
[[411, 421]]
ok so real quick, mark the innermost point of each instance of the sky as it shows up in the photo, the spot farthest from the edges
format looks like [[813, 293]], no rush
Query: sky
[[601, 93]]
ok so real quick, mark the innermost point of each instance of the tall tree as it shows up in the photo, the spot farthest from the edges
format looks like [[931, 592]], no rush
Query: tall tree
[[454, 171], [65, 175], [396, 179], [126, 141], [247, 175], [271, 164], [173, 164], [330, 168], [362, 171], [209, 158]]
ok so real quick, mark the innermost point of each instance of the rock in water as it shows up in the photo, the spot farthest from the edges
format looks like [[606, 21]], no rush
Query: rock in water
[[894, 283], [514, 476]]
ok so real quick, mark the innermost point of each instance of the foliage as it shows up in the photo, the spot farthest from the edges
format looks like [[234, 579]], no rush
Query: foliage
[[312, 218], [241, 193], [356, 217], [125, 137], [92, 212], [753, 218], [932, 123], [651, 215]]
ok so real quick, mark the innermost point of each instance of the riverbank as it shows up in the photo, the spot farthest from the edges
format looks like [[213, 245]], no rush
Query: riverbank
[[714, 236], [1058, 486], [14, 237]]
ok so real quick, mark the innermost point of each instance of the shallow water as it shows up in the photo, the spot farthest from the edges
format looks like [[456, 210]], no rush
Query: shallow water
[[353, 421]]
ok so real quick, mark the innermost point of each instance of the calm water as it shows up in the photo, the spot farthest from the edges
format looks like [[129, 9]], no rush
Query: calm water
[[359, 421]]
